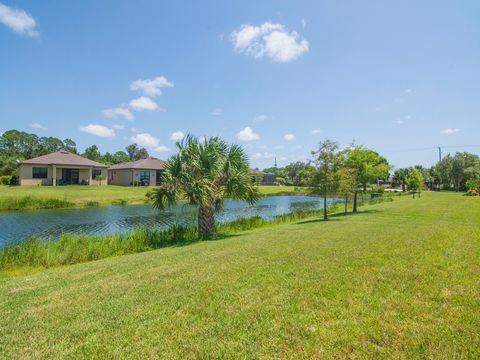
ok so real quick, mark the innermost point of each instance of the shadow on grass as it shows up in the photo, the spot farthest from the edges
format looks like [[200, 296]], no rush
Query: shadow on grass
[[336, 217]]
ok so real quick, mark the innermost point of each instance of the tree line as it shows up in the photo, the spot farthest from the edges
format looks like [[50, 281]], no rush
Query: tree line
[[19, 145]]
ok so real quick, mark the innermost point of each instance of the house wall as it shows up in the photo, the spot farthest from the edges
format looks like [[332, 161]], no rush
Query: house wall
[[25, 173], [128, 177]]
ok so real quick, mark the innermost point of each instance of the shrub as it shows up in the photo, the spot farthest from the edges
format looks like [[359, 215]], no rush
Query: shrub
[[6, 180]]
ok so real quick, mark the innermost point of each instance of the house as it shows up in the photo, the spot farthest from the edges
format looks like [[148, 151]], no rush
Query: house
[[262, 178], [60, 168], [144, 172]]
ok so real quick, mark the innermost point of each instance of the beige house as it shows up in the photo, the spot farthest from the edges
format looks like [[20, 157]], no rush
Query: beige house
[[144, 172], [60, 168]]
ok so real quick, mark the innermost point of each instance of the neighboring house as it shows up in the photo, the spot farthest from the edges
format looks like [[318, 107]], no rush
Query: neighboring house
[[262, 178], [60, 168], [144, 172]]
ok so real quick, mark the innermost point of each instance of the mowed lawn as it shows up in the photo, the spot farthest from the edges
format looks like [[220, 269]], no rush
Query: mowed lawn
[[399, 280]]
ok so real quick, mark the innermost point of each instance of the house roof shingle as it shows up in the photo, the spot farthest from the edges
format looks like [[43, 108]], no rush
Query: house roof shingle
[[149, 163], [63, 158]]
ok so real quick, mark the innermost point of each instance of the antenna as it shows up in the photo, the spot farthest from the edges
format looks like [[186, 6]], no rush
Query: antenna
[[439, 153], [275, 161]]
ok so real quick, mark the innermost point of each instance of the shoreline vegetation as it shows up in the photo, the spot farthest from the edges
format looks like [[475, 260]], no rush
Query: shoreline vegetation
[[35, 254], [37, 197]]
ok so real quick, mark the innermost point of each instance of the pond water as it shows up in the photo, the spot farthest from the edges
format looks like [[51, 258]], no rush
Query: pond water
[[18, 225]]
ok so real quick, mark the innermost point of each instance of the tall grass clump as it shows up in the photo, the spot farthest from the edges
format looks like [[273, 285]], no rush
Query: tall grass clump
[[32, 203]]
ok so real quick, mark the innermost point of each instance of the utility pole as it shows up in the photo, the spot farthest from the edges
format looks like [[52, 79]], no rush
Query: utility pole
[[439, 153], [275, 161]]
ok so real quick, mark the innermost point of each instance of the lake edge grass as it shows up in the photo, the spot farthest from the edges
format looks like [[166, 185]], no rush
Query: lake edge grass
[[33, 254]]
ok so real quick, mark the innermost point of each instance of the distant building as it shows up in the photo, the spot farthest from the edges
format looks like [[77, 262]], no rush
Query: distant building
[[262, 178], [60, 168], [144, 172]]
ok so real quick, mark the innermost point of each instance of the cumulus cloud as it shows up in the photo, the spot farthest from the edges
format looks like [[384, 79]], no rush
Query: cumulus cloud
[[247, 134], [18, 20], [161, 149], [117, 112], [38, 126], [269, 39], [143, 103], [151, 87], [217, 112], [145, 139], [289, 137], [98, 130], [450, 131], [317, 131], [177, 135]]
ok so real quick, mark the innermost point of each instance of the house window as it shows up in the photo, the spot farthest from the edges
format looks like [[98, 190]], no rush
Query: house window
[[95, 173], [40, 173], [145, 176]]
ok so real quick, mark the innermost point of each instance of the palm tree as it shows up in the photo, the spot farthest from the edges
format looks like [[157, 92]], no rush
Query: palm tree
[[205, 172]]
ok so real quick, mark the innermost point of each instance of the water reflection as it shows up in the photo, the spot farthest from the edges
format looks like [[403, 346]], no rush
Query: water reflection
[[15, 226]]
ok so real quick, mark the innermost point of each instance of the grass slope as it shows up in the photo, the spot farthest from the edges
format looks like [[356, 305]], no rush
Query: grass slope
[[398, 280], [41, 197]]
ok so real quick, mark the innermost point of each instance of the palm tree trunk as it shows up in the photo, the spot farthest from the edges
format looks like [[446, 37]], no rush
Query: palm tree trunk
[[206, 222], [355, 202]]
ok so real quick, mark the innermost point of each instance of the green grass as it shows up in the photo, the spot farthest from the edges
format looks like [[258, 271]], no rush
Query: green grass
[[39, 197], [49, 197], [398, 280]]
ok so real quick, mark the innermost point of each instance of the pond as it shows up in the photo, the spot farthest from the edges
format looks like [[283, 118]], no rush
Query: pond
[[19, 225]]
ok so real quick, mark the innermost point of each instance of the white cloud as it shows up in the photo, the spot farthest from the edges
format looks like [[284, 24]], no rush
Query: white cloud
[[269, 39], [146, 139], [289, 137], [177, 135], [450, 131], [38, 126], [143, 103], [98, 130], [317, 131], [118, 126], [260, 118], [136, 130], [152, 87], [161, 149], [265, 155], [247, 134], [216, 112], [119, 111], [18, 20]]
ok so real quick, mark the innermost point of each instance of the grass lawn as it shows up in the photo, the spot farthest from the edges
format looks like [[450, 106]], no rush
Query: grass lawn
[[88, 195], [398, 280]]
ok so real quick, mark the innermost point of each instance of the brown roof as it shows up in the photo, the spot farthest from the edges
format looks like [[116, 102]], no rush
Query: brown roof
[[149, 163], [63, 158]]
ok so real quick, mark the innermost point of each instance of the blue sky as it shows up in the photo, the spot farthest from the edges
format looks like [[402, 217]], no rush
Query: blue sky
[[274, 76]]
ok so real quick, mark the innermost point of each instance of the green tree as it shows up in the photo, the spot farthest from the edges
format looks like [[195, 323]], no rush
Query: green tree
[[205, 172], [93, 153], [400, 177], [415, 182], [454, 171], [70, 145], [367, 165], [346, 184], [325, 181], [136, 153]]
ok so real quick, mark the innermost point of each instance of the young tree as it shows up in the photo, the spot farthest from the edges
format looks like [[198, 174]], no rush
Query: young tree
[[367, 165], [324, 180], [92, 153], [136, 153], [415, 182], [346, 184], [205, 172]]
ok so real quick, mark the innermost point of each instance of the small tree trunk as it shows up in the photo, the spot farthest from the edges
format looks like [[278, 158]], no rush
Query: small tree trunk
[[346, 205], [403, 185], [325, 216], [355, 202], [206, 222]]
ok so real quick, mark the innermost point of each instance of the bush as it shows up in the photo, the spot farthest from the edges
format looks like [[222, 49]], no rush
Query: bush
[[6, 180]]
